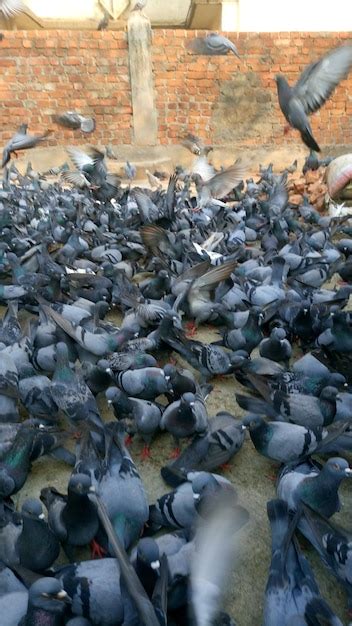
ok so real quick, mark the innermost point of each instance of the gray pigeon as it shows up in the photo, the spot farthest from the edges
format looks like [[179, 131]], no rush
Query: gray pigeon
[[314, 485], [178, 508], [291, 586], [120, 487], [21, 141], [73, 518], [313, 88], [95, 590], [208, 451], [218, 44], [281, 441], [73, 120]]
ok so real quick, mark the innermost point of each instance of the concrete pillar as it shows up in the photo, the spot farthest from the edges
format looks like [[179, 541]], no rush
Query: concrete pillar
[[145, 128]]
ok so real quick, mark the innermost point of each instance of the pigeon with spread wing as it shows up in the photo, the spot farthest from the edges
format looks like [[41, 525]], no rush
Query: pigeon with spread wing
[[313, 88]]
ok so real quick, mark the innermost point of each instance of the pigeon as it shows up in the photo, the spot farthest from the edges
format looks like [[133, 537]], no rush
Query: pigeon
[[185, 417], [10, 530], [297, 408], [94, 587], [16, 463], [281, 441], [213, 44], [220, 184], [223, 438], [178, 509], [120, 487], [314, 485], [21, 141], [75, 121], [218, 44], [35, 394], [37, 545], [291, 588], [70, 392], [276, 347], [140, 415], [147, 563], [73, 518], [130, 170], [104, 22], [333, 544], [45, 600], [99, 344], [180, 381], [140, 5], [313, 88], [146, 383]]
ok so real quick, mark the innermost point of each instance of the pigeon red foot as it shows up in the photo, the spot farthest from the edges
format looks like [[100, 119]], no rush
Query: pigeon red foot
[[146, 453], [175, 453], [128, 440], [96, 550]]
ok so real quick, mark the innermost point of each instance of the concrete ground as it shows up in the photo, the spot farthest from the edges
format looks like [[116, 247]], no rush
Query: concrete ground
[[165, 158]]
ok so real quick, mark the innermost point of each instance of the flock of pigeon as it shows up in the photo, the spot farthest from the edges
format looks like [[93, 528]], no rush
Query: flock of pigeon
[[209, 247]]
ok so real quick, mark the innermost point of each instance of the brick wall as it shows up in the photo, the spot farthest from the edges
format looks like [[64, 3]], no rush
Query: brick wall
[[222, 99], [225, 99], [48, 72]]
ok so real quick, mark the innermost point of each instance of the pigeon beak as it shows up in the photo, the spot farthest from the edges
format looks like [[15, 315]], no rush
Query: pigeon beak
[[167, 378], [191, 403], [108, 370], [41, 516], [348, 472], [196, 496], [63, 597], [109, 401], [92, 489], [243, 427], [155, 564]]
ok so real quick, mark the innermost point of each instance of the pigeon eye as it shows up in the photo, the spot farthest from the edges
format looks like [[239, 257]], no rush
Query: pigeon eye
[[336, 466]]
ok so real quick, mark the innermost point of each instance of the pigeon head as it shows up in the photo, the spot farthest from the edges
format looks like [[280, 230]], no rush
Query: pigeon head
[[252, 422], [112, 394], [79, 484], [338, 467], [32, 508], [48, 594], [148, 552], [169, 371], [188, 398], [101, 308], [203, 483], [329, 393], [336, 379], [278, 333]]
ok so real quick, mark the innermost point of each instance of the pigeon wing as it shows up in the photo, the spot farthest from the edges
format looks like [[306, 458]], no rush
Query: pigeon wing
[[319, 79], [222, 183]]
